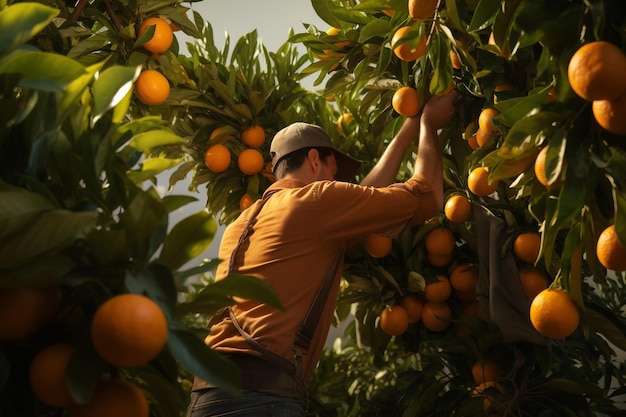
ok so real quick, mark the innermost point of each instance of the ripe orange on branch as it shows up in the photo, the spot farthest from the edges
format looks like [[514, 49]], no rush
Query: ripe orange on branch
[[152, 88], [114, 397], [478, 182], [611, 114], [527, 246], [440, 241], [464, 277], [394, 320], [254, 136], [413, 305], [458, 209], [405, 101], [540, 171], [404, 50], [533, 281], [47, 375], [610, 252], [485, 121], [554, 314], [436, 316], [25, 310], [129, 330], [438, 291], [161, 39], [422, 9], [250, 161], [596, 71], [217, 158]]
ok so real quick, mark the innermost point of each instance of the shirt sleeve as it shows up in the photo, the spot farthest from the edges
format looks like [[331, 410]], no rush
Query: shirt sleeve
[[351, 211]]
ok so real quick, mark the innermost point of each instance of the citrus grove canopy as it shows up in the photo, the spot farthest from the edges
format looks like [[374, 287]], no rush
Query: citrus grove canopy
[[509, 302]]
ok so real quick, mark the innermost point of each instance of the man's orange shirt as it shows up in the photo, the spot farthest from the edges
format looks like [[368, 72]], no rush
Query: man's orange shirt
[[296, 238]]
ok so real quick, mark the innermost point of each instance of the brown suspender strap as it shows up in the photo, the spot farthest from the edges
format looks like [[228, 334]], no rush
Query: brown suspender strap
[[307, 329]]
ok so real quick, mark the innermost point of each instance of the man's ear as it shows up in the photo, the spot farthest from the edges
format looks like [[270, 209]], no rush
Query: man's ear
[[313, 157]]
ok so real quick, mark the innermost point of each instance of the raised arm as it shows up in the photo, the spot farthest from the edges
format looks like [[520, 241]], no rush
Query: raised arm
[[386, 169], [428, 163]]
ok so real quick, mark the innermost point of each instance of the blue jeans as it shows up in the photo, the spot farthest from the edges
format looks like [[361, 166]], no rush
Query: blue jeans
[[216, 402]]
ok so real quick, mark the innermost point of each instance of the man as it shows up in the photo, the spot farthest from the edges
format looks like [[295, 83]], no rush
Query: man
[[295, 238]]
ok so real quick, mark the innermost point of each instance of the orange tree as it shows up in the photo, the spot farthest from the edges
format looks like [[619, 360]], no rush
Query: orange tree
[[511, 62], [92, 273]]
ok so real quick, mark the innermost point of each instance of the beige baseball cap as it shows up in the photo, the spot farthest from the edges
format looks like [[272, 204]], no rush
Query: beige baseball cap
[[301, 135]]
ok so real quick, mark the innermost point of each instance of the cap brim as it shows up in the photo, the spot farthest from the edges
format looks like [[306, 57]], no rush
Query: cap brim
[[347, 166]]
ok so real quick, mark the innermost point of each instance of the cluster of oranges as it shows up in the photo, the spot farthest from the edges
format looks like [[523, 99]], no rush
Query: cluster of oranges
[[250, 161], [152, 87], [127, 331], [596, 73]]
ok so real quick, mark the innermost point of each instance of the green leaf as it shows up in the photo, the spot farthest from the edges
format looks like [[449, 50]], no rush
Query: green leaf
[[110, 87], [74, 90], [375, 29], [324, 9], [152, 167], [21, 21], [49, 232], [188, 239], [198, 359], [215, 296], [483, 14], [41, 70], [146, 141], [19, 208]]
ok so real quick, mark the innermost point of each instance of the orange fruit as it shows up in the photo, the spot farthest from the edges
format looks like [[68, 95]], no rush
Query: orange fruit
[[464, 296], [250, 161], [162, 38], [245, 201], [220, 133], [472, 141], [378, 246], [436, 316], [114, 397], [405, 101], [533, 281], [596, 71], [485, 121], [412, 304], [458, 209], [486, 371], [481, 137], [394, 320], [478, 182], [388, 12], [343, 121], [464, 277], [254, 136], [25, 310], [422, 9], [439, 261], [455, 60], [610, 252], [611, 114], [540, 171], [554, 314], [152, 88], [438, 291], [217, 158], [440, 241], [47, 375], [403, 50], [129, 330], [527, 246]]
